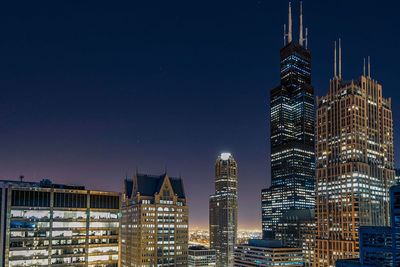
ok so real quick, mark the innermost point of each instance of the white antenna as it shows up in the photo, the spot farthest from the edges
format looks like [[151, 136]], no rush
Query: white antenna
[[284, 34], [306, 39], [290, 24], [301, 39], [364, 67], [369, 67], [340, 58], [334, 62]]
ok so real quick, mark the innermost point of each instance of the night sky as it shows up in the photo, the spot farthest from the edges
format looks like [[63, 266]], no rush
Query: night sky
[[91, 91]]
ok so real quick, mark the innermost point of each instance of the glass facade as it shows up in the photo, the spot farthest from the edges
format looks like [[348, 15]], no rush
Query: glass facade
[[267, 253], [200, 256], [54, 226], [292, 119]]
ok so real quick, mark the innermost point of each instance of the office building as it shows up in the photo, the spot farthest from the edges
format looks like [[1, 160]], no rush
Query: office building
[[259, 252], [292, 118], [355, 165], [200, 256], [380, 245], [296, 229], [46, 224], [223, 210], [154, 224]]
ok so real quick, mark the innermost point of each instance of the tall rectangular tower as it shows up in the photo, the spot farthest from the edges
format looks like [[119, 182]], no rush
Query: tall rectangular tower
[[223, 210], [355, 165], [292, 138], [154, 223]]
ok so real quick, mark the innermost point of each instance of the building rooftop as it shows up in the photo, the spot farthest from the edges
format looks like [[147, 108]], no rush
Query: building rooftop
[[149, 185], [266, 243], [348, 263], [45, 183], [198, 247]]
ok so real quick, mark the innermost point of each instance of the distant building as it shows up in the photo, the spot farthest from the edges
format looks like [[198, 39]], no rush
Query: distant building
[[355, 164], [46, 224], [223, 210], [200, 256], [259, 252], [292, 120], [154, 224], [380, 246]]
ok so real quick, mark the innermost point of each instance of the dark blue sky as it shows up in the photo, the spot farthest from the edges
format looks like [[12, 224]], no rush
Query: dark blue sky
[[92, 90]]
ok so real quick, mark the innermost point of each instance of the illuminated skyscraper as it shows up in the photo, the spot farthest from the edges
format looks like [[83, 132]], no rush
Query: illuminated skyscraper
[[46, 224], [223, 210], [292, 138], [355, 165], [154, 224]]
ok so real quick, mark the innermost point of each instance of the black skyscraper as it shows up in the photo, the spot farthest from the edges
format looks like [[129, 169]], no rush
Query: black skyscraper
[[292, 139]]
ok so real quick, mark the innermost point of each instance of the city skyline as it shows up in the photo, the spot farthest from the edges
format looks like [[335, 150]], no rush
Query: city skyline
[[96, 112]]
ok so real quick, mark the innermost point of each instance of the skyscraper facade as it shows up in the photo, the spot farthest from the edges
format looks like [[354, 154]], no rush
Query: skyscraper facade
[[292, 120], [379, 245], [355, 165], [223, 210], [154, 224], [46, 224]]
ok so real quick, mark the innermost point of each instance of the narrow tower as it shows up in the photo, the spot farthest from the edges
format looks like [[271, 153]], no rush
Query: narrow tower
[[223, 210]]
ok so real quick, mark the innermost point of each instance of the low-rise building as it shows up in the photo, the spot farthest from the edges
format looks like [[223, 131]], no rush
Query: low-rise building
[[154, 225], [263, 253], [200, 256], [46, 224]]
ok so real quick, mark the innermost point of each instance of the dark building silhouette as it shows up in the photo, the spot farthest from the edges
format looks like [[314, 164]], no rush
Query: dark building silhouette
[[292, 119]]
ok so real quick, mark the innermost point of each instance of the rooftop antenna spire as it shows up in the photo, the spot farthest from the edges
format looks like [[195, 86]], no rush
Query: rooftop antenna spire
[[290, 24], [301, 39], [340, 58], [306, 39], [369, 67], [364, 67], [284, 34], [334, 62]]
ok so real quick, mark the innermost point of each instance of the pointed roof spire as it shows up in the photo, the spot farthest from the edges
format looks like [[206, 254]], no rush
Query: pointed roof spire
[[334, 62], [369, 67], [364, 68], [284, 34], [290, 25], [306, 39], [301, 39], [340, 58]]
